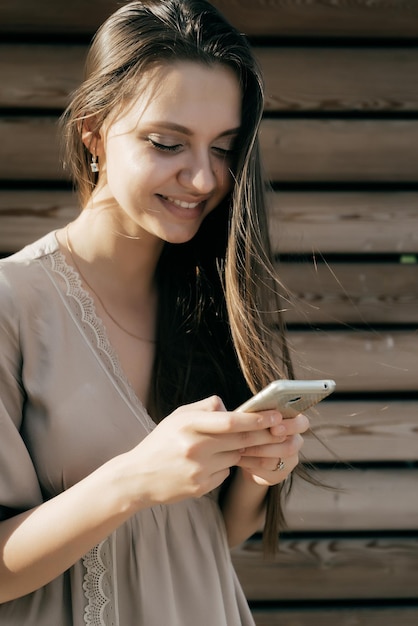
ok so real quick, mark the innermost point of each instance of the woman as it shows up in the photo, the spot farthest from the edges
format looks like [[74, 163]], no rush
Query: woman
[[152, 304]]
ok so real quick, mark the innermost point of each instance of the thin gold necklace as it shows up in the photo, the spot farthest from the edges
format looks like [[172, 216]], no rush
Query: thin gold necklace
[[70, 250]]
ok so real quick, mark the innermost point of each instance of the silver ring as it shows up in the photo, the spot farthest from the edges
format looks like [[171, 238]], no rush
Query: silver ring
[[280, 465]]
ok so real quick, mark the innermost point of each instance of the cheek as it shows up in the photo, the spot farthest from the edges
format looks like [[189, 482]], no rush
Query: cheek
[[125, 171]]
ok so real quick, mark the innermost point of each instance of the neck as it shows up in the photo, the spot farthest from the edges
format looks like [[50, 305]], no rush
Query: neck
[[119, 262], [131, 306]]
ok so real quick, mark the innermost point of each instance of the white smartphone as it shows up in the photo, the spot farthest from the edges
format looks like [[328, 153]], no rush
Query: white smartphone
[[290, 397]]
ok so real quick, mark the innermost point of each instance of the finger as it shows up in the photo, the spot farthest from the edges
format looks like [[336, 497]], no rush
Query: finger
[[292, 426], [264, 466], [291, 446], [218, 478], [213, 403], [226, 459], [262, 437], [236, 422], [247, 441]]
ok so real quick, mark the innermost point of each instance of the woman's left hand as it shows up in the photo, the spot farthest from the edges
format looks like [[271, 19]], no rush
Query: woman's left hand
[[276, 454]]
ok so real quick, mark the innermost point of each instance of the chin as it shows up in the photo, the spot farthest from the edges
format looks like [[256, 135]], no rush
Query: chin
[[179, 237], [178, 240]]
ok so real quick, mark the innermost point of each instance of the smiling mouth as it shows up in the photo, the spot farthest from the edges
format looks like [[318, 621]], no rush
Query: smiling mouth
[[181, 203]]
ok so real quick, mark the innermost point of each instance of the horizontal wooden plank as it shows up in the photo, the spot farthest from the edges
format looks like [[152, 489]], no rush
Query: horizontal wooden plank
[[363, 500], [47, 16], [297, 79], [350, 293], [43, 76], [334, 569], [316, 18], [27, 215], [340, 150], [310, 222], [327, 222], [342, 616], [340, 79], [363, 431], [29, 149], [358, 360], [294, 150]]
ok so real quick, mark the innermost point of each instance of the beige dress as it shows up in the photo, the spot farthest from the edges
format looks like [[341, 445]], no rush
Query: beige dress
[[66, 408]]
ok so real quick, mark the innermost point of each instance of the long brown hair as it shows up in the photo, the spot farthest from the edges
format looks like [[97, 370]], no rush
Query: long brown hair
[[219, 325]]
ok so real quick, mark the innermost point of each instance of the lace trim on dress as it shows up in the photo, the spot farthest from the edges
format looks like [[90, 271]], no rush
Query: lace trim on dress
[[83, 309], [99, 587]]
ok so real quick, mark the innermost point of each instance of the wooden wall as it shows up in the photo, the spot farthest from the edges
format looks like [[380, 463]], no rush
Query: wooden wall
[[340, 140]]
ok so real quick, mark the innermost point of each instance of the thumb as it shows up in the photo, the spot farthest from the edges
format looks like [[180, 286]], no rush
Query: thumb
[[213, 403]]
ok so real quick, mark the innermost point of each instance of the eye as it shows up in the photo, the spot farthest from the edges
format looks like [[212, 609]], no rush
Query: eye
[[226, 147], [164, 147], [223, 152]]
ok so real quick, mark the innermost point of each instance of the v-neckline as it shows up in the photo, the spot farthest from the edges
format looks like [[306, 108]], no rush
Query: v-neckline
[[81, 304]]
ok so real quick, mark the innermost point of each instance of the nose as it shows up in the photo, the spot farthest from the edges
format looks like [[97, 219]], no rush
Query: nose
[[199, 174]]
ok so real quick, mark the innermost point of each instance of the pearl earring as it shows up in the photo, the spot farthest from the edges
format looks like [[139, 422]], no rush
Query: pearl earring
[[94, 165]]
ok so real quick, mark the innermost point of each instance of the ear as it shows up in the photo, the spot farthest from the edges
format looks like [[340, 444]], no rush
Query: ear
[[91, 135]]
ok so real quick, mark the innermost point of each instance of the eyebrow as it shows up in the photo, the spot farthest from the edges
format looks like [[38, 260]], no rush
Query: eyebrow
[[186, 131]]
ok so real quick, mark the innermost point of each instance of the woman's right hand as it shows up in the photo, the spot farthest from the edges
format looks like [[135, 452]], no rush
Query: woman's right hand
[[191, 451]]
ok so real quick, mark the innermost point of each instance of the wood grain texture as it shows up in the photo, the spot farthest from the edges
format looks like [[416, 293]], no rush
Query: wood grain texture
[[370, 360], [29, 149], [334, 150], [350, 293], [297, 79], [344, 222], [363, 431], [359, 501], [333, 569], [319, 18], [300, 79], [36, 75], [289, 18], [344, 616], [73, 17], [27, 215], [293, 150]]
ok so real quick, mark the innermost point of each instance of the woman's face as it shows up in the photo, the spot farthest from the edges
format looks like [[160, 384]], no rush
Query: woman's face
[[165, 159]]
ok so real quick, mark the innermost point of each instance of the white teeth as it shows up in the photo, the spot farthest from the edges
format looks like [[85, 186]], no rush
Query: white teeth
[[183, 205]]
